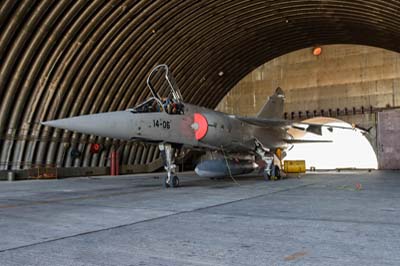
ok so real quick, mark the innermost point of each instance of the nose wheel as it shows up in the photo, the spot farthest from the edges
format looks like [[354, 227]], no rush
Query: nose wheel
[[167, 153], [174, 182]]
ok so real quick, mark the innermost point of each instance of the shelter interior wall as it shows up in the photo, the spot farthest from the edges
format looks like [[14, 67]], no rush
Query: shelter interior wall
[[343, 76]]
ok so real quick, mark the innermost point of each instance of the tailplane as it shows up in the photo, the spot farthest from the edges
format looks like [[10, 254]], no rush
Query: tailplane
[[273, 108]]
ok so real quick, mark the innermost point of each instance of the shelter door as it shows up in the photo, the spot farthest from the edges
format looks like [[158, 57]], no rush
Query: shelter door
[[388, 139]]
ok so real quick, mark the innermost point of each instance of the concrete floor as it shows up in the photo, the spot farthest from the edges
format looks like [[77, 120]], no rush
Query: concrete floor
[[319, 219]]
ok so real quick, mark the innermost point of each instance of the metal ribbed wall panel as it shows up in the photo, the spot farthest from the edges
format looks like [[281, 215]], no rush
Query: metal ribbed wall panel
[[65, 58]]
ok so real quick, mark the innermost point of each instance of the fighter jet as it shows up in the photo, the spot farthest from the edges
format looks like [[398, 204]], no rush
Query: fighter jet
[[233, 144]]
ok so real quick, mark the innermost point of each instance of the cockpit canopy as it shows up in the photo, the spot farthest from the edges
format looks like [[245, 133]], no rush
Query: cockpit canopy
[[153, 105], [166, 94], [162, 84]]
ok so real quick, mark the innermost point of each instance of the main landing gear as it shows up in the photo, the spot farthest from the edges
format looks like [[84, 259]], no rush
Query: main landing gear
[[271, 171], [167, 153], [275, 173]]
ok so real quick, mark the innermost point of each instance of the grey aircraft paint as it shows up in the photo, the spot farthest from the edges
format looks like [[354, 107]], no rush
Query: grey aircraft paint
[[170, 121]]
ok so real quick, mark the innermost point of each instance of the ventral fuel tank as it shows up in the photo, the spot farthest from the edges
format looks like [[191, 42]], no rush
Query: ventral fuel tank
[[219, 167]]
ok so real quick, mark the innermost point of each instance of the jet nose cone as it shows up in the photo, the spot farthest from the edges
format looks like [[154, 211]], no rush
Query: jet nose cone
[[59, 123], [112, 124], [79, 123]]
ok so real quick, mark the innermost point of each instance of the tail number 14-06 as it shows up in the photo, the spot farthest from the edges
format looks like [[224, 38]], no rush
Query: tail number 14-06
[[161, 124]]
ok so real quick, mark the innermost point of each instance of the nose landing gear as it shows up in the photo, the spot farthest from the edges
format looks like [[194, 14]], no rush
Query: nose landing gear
[[167, 153], [168, 181]]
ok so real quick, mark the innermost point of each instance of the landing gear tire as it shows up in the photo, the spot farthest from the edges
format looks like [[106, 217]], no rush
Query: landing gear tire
[[174, 180], [165, 182], [266, 176], [278, 172]]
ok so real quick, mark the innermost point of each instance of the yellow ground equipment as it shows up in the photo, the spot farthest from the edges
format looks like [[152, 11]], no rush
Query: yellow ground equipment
[[297, 166]]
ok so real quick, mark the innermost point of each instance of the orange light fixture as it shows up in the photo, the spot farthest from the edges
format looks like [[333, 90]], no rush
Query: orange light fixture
[[95, 148], [317, 51]]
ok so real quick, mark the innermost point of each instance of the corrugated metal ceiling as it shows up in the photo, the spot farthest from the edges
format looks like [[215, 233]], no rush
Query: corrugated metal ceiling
[[65, 58]]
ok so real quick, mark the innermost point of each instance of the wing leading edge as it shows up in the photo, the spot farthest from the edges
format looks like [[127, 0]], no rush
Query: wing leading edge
[[275, 122]]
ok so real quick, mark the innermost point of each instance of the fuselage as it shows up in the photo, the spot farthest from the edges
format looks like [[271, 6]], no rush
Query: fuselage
[[223, 131], [195, 126], [170, 122]]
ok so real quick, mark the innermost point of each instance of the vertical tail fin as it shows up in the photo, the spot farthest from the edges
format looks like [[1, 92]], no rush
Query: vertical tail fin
[[273, 108]]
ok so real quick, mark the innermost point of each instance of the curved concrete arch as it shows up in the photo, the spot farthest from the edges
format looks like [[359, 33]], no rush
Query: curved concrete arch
[[65, 58]]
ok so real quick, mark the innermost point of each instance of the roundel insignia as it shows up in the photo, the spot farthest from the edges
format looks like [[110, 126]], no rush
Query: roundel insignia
[[200, 126]]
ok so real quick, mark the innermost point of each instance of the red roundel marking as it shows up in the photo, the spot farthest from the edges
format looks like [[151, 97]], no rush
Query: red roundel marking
[[202, 126]]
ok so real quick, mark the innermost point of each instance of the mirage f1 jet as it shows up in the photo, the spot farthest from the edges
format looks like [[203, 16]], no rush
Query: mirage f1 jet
[[234, 144]]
